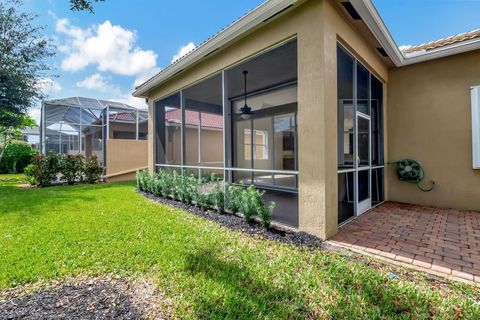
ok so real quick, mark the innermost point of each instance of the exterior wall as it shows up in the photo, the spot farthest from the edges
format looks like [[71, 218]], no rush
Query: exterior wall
[[429, 119], [317, 25], [212, 142], [123, 155], [336, 28], [120, 127]]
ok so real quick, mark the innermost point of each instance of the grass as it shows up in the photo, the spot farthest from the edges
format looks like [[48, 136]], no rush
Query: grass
[[205, 270]]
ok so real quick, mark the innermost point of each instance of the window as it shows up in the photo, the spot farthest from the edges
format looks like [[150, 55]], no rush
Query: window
[[260, 144]]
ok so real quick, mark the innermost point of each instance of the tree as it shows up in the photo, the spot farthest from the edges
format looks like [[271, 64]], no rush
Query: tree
[[24, 53], [11, 133], [81, 5]]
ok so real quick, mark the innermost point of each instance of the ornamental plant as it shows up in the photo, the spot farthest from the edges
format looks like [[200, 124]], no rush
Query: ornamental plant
[[265, 213], [71, 167], [44, 169], [233, 197], [17, 155], [251, 200], [208, 193], [92, 170]]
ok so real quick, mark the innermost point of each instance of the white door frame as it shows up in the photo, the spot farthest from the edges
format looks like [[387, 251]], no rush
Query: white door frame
[[364, 205]]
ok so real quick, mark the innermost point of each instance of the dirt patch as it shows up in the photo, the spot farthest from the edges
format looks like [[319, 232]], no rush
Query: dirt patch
[[86, 298]]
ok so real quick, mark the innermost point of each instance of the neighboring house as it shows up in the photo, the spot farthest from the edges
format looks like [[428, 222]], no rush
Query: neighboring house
[[80, 125], [332, 101], [31, 135]]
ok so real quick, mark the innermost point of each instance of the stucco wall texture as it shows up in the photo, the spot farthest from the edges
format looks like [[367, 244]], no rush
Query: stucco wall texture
[[427, 116], [429, 119], [123, 155]]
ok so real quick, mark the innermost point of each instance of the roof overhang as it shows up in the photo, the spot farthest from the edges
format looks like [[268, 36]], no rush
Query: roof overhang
[[269, 9], [366, 9], [241, 27]]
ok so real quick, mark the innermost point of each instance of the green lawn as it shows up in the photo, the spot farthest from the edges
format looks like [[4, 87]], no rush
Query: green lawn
[[206, 271]]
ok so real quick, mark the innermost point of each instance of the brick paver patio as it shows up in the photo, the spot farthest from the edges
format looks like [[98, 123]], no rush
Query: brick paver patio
[[446, 241]]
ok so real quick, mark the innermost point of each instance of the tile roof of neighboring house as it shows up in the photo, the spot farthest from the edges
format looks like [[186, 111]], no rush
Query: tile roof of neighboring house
[[122, 116], [191, 118], [462, 37]]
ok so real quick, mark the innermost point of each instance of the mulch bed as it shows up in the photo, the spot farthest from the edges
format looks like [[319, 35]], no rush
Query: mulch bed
[[85, 298], [234, 222]]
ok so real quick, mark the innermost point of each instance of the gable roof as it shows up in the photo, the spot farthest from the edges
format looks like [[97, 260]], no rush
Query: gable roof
[[271, 9]]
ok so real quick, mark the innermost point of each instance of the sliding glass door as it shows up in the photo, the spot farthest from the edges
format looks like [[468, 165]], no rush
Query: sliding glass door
[[360, 138]]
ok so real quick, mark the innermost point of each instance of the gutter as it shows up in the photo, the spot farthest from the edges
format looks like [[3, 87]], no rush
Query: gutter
[[370, 16], [243, 25]]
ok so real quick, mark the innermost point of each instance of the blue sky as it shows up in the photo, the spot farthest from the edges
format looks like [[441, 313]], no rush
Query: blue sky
[[104, 55]]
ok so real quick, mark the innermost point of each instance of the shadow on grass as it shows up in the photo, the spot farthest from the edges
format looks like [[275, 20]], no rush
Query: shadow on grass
[[239, 294]]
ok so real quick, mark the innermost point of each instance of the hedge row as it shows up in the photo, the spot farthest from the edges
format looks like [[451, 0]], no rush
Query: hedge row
[[46, 169], [208, 193]]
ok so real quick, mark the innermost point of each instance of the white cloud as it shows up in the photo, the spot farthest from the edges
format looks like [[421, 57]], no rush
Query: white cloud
[[35, 113], [98, 83], [109, 47], [132, 101], [102, 84], [48, 86], [183, 51]]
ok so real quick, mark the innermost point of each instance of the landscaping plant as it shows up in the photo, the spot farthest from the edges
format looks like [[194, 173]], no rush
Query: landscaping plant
[[233, 197], [251, 200], [92, 170], [208, 193], [17, 155], [71, 167], [44, 169], [28, 171], [265, 213], [218, 197]]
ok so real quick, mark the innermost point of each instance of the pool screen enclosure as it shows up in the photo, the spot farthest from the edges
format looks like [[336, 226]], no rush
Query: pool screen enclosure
[[79, 125]]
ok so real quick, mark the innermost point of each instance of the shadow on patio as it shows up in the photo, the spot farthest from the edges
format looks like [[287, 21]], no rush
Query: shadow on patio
[[443, 241]]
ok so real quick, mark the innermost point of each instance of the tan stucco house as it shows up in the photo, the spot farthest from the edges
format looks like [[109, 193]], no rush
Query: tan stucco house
[[315, 103]]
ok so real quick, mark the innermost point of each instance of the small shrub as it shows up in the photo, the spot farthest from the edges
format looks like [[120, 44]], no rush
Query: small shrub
[[265, 214], [218, 198], [233, 197], [71, 167], [17, 155], [166, 182], [28, 170], [251, 200], [92, 170], [142, 176], [44, 169]]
